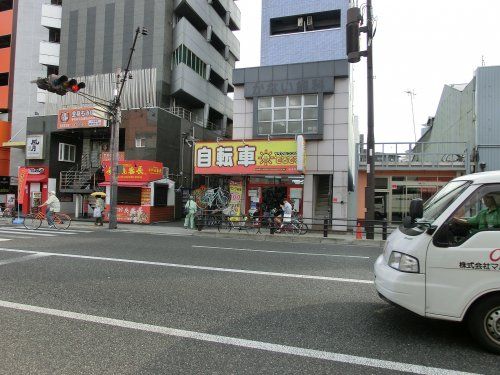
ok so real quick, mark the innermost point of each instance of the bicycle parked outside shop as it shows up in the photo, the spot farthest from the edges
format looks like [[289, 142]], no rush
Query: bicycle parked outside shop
[[217, 197], [299, 222], [9, 213], [230, 221], [34, 220]]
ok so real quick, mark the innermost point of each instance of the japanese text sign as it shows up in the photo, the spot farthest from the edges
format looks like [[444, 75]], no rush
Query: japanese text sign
[[136, 170], [73, 118], [253, 157]]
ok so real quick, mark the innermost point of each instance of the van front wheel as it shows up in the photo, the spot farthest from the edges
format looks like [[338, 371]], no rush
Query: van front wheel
[[484, 323]]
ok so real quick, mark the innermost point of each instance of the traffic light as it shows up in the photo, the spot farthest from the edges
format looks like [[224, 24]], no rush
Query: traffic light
[[354, 19], [59, 84]]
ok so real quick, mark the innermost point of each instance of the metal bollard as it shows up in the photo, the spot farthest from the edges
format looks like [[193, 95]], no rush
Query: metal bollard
[[384, 229], [325, 227]]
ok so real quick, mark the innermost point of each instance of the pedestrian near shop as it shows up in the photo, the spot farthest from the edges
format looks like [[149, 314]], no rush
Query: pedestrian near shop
[[190, 209], [98, 209]]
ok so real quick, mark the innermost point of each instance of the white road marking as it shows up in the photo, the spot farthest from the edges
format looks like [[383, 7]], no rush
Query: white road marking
[[23, 259], [5, 239], [204, 268], [30, 232], [238, 342], [282, 252], [34, 231]]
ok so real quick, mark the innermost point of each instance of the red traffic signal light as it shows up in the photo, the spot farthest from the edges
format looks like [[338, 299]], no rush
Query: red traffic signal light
[[77, 87], [59, 84]]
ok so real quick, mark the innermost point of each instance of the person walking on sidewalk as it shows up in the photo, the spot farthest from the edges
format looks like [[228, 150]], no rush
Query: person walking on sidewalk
[[53, 205], [98, 209], [190, 208]]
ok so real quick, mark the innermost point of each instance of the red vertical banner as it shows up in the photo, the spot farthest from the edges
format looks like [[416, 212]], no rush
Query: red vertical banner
[[21, 183]]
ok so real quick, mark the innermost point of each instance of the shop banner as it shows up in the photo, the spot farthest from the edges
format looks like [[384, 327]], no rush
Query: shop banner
[[76, 118], [145, 197], [106, 156], [136, 171], [34, 146], [131, 214], [236, 192], [253, 157], [21, 183], [11, 201]]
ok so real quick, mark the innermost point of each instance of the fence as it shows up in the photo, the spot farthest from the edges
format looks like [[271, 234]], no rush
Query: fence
[[296, 225]]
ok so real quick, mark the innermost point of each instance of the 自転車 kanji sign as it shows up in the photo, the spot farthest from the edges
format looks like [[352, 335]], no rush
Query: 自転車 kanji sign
[[246, 157]]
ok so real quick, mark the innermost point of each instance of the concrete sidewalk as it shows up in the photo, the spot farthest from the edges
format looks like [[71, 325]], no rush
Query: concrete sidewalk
[[176, 228]]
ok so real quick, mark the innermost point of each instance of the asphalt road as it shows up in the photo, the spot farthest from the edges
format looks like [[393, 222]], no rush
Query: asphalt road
[[91, 301]]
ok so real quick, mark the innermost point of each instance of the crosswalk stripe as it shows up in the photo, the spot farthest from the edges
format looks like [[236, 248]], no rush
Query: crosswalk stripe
[[24, 230], [5, 239], [32, 232]]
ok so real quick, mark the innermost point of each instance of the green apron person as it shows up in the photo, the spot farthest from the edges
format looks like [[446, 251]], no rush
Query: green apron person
[[191, 207]]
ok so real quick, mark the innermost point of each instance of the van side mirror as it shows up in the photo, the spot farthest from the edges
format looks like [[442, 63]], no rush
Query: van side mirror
[[408, 222], [416, 208]]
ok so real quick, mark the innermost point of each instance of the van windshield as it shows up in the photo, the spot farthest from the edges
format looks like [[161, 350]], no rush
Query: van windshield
[[436, 205]]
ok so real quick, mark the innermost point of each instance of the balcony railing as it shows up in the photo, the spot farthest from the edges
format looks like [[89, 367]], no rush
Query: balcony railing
[[424, 155], [188, 115]]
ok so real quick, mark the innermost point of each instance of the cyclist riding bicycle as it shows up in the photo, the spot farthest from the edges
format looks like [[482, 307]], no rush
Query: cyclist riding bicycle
[[53, 205]]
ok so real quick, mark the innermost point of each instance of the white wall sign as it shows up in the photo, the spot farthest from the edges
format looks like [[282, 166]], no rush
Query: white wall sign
[[301, 153], [34, 146]]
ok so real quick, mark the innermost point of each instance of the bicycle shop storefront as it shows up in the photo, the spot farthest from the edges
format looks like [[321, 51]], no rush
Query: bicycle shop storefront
[[256, 174]]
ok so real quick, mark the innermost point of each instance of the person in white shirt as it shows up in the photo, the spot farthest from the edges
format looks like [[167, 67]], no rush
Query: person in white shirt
[[53, 205]]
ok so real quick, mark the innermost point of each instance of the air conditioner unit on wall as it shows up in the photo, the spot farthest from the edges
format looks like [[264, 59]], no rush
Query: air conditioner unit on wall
[[309, 20], [300, 22]]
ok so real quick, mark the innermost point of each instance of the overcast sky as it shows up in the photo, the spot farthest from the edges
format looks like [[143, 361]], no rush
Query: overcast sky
[[419, 46]]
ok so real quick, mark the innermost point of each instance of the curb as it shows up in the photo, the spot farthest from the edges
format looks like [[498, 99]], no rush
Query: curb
[[290, 239]]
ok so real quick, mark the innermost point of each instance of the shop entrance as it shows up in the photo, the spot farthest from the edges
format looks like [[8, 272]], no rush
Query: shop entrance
[[267, 194]]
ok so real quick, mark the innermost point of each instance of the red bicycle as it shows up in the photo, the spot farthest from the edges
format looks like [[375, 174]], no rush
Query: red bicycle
[[34, 219]]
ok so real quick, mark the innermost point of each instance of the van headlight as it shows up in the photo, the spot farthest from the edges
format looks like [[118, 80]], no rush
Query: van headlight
[[403, 262]]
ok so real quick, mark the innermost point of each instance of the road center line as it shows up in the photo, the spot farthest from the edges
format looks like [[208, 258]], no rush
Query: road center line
[[23, 259], [232, 341], [282, 252], [189, 266]]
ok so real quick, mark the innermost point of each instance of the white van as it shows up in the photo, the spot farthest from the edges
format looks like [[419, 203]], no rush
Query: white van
[[444, 261]]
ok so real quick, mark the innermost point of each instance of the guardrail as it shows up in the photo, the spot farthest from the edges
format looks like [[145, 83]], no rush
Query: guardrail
[[296, 225]]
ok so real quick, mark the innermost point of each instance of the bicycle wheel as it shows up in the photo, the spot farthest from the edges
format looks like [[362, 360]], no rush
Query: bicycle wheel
[[303, 227], [62, 221], [32, 222], [290, 229], [225, 226]]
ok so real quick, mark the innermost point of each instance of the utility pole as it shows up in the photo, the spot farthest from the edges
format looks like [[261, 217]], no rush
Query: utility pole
[[370, 160], [354, 19], [115, 131]]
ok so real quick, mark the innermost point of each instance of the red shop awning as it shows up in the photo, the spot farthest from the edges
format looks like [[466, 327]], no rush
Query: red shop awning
[[127, 184]]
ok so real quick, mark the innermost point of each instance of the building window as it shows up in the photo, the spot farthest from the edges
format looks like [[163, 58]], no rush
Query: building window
[[293, 114], [5, 5], [305, 22], [54, 35], [4, 79], [185, 56], [67, 152], [5, 41], [140, 142], [56, 2]]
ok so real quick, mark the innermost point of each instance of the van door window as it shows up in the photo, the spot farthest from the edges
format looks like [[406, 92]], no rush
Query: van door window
[[479, 212]]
